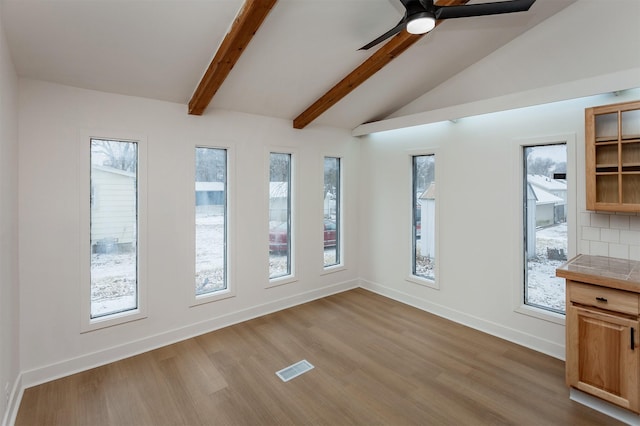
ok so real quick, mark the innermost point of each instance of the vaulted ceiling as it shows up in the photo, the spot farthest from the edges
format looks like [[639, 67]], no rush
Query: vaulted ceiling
[[300, 51]]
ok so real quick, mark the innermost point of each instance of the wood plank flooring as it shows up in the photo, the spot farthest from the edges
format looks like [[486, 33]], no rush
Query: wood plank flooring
[[377, 362]]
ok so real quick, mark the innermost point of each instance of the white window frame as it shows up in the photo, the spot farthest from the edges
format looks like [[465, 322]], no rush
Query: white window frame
[[518, 174], [293, 250], [86, 322], [341, 265], [434, 284], [230, 291]]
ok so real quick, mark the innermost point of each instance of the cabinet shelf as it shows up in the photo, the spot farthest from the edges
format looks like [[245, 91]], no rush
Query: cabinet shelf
[[612, 142], [605, 139]]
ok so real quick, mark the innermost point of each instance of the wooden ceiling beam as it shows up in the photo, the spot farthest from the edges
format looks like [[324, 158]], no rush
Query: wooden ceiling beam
[[387, 53], [244, 27]]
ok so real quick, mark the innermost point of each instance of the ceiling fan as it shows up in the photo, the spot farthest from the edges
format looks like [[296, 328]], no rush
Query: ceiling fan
[[421, 15]]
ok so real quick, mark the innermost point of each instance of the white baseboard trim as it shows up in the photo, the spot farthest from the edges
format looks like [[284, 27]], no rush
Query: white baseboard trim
[[14, 402], [499, 330], [604, 407], [85, 362]]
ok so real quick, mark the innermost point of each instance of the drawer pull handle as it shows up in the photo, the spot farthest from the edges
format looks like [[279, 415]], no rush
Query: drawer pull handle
[[601, 299], [633, 338]]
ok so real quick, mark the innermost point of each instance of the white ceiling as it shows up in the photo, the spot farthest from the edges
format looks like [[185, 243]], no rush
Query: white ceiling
[[160, 49]]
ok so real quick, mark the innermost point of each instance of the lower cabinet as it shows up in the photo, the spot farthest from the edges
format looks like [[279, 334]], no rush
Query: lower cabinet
[[602, 356]]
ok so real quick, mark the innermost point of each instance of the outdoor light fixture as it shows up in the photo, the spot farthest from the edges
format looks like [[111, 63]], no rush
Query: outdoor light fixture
[[421, 22]]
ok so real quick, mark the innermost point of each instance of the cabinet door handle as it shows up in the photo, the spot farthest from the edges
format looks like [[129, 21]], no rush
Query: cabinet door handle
[[601, 299], [633, 338]]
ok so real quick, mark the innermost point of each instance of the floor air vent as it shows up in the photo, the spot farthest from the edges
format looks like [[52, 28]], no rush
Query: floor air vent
[[294, 370]]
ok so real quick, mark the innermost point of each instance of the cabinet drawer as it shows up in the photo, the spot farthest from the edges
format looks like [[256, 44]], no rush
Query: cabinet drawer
[[604, 298]]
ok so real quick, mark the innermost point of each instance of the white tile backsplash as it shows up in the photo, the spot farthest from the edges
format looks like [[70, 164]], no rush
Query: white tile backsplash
[[620, 251], [619, 222], [614, 235], [599, 220], [610, 235], [630, 237], [599, 249], [590, 233]]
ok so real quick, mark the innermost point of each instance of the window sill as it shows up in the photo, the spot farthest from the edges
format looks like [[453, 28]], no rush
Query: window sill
[[326, 270], [112, 320], [211, 297], [542, 314], [275, 282], [423, 282]]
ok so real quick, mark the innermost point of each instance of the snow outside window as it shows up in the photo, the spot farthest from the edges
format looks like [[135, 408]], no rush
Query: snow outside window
[[332, 214], [545, 225], [211, 221], [280, 229], [424, 216], [114, 227]]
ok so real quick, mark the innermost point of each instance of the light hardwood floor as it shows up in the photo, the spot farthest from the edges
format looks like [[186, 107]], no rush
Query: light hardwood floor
[[377, 362]]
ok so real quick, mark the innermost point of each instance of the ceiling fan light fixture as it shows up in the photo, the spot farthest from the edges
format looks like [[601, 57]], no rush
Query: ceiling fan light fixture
[[421, 23]]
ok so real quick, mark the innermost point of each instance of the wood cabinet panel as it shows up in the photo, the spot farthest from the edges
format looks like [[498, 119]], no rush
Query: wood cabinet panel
[[604, 298], [612, 143], [602, 357], [602, 361]]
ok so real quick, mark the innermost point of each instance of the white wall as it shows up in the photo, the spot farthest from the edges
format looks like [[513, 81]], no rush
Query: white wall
[[477, 164], [52, 119], [9, 336]]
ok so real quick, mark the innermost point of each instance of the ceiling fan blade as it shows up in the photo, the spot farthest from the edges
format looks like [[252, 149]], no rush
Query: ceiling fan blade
[[393, 31], [493, 8]]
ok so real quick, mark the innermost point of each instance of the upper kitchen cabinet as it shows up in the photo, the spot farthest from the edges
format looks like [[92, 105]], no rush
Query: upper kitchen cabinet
[[612, 137]]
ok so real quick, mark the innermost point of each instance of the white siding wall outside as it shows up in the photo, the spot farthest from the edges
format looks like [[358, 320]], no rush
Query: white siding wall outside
[[427, 222], [113, 213]]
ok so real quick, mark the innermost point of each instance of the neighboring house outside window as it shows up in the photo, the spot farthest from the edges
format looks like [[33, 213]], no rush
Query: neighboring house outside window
[[545, 225]]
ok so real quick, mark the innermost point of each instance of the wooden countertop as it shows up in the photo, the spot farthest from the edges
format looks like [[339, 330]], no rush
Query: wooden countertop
[[604, 271]]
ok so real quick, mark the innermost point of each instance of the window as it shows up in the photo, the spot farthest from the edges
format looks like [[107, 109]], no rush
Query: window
[[210, 221], [545, 224], [332, 214], [114, 229], [424, 217], [280, 220]]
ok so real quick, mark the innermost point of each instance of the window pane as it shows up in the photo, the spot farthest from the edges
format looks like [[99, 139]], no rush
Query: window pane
[[332, 224], [424, 216], [114, 223], [279, 215], [545, 225], [211, 223]]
